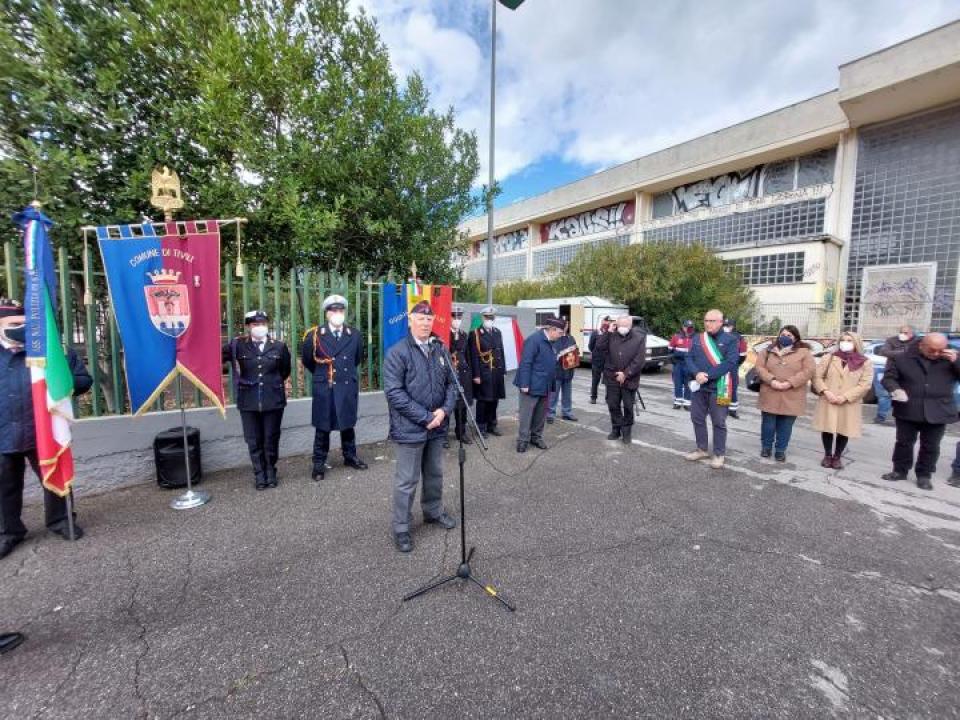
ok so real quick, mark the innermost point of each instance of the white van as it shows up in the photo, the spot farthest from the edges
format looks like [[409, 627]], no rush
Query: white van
[[585, 313]]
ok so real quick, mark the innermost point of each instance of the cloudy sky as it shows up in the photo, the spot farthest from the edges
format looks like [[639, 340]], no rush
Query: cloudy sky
[[586, 84]]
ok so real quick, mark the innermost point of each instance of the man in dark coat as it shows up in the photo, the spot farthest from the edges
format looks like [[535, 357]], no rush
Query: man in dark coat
[[18, 433], [893, 347], [535, 377], [461, 363], [596, 358], [563, 383], [625, 351], [489, 371], [261, 367], [920, 381], [420, 395], [332, 352]]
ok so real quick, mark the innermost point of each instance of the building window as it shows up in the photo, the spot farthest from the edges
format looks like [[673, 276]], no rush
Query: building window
[[778, 269], [550, 259]]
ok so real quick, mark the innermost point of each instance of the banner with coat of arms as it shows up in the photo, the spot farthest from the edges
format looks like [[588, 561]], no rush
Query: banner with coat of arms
[[165, 291]]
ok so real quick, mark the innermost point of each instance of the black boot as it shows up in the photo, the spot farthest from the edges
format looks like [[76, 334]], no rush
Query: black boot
[[259, 470], [270, 475], [625, 434], [319, 468], [614, 434]]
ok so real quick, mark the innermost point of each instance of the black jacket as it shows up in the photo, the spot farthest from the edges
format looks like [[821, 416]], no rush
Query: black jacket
[[928, 385], [17, 430], [538, 365], [626, 354], [562, 343], [459, 352], [415, 385], [487, 361], [259, 378], [335, 364], [597, 356], [894, 346]]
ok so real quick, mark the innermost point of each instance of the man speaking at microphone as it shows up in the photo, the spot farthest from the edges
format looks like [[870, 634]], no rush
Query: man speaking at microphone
[[421, 396]]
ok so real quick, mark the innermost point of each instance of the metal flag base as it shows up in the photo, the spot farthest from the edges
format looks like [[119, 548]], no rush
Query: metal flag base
[[191, 498]]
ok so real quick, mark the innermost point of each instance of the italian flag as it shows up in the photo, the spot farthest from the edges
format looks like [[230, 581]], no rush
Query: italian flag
[[50, 375], [512, 338]]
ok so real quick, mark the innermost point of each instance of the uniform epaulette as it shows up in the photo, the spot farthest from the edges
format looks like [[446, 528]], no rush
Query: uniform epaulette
[[307, 332]]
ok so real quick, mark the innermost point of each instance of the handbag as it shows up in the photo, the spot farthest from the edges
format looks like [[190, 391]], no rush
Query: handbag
[[753, 377]]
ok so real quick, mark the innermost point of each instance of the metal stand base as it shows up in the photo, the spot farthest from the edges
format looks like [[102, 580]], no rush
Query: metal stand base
[[463, 573], [190, 499]]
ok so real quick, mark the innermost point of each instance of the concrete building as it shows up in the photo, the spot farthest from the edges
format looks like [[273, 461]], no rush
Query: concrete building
[[842, 210]]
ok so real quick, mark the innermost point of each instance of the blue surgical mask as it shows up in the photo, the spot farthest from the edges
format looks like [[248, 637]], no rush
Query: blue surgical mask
[[785, 341], [17, 334]]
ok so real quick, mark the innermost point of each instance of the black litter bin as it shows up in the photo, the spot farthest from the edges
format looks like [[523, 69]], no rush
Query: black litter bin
[[168, 456]]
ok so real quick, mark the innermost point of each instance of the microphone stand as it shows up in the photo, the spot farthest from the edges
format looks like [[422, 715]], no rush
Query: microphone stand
[[463, 570]]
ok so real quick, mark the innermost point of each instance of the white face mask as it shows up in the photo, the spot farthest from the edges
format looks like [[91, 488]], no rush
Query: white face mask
[[623, 330], [846, 346], [727, 328], [488, 324], [903, 337], [337, 318], [456, 323], [259, 332]]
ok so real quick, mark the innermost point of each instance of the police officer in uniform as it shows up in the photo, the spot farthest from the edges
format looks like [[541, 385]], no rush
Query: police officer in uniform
[[459, 354], [489, 371], [332, 352], [261, 367]]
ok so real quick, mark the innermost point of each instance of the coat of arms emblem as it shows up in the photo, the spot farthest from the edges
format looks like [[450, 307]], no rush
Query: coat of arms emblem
[[168, 302]]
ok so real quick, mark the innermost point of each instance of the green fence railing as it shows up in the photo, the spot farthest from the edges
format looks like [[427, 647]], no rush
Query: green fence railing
[[293, 299]]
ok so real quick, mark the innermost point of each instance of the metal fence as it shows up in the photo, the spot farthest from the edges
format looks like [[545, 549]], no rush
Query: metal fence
[[292, 299], [811, 319]]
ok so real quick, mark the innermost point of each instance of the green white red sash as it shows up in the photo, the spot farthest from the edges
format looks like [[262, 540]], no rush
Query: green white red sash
[[715, 357]]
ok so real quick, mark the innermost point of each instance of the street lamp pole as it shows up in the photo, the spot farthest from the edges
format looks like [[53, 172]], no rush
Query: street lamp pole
[[493, 82]]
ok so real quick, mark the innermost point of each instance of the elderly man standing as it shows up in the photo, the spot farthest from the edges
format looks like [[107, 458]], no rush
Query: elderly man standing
[[711, 363], [421, 395], [893, 347], [625, 352], [920, 381], [489, 371], [535, 378]]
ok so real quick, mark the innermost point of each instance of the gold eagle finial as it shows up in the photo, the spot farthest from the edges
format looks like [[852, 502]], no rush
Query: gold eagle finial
[[165, 191]]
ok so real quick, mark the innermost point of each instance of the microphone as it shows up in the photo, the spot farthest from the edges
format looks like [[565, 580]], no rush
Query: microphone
[[434, 340]]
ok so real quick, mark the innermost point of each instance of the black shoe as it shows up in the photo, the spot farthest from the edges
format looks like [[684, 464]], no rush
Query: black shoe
[[493, 431], [614, 434], [894, 476], [63, 530], [403, 542], [923, 482], [550, 420], [954, 480], [7, 545], [593, 401], [317, 473], [467, 440], [570, 418], [734, 414], [443, 520], [780, 456], [260, 483], [355, 463], [8, 641], [521, 447], [765, 452], [687, 408], [272, 477], [625, 437], [538, 443], [879, 421], [677, 406]]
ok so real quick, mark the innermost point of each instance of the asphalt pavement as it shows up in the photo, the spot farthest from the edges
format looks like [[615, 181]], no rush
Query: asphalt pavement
[[646, 586]]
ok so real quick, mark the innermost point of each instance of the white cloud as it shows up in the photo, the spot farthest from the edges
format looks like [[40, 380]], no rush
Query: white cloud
[[602, 82]]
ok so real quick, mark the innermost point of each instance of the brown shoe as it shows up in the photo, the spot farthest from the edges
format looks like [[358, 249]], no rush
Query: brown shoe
[[835, 463], [827, 461]]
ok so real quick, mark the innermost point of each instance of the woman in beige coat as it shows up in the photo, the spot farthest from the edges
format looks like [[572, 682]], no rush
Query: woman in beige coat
[[842, 379], [784, 370]]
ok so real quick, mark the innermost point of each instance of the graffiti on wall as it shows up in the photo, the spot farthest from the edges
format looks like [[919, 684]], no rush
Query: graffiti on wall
[[893, 295], [507, 242], [609, 217], [720, 190]]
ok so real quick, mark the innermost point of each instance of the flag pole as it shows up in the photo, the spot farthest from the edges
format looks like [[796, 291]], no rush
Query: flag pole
[[191, 498], [70, 514], [493, 78]]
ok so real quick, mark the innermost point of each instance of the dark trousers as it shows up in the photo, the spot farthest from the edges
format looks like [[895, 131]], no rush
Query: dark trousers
[[927, 455], [702, 403], [596, 369], [261, 430], [460, 417], [12, 467], [533, 416], [620, 404], [486, 413], [681, 391], [321, 445], [417, 461], [775, 430]]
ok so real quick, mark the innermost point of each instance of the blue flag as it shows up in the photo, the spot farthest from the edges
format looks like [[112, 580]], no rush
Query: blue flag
[[393, 304]]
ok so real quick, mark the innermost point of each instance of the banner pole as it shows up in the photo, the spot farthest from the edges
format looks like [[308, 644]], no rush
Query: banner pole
[[191, 498], [73, 534]]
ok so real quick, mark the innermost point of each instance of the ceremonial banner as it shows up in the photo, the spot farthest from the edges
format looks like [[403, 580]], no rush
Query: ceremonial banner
[[512, 341], [51, 380], [442, 303], [393, 315], [165, 291], [396, 302]]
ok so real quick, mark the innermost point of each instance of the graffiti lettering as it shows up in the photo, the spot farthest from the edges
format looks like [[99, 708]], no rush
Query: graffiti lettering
[[719, 190], [507, 242], [811, 270], [598, 220]]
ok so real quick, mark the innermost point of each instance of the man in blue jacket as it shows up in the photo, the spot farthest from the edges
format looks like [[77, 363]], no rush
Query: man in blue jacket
[[535, 377], [18, 434], [711, 362], [421, 396]]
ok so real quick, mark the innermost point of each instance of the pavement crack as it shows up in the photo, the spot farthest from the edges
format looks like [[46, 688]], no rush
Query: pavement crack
[[360, 681], [29, 554], [71, 673], [130, 611]]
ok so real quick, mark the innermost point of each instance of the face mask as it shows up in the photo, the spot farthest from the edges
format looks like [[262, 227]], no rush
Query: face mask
[[846, 346], [337, 318], [259, 332], [785, 341], [903, 337], [688, 331], [456, 323], [727, 328], [488, 324], [623, 330]]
